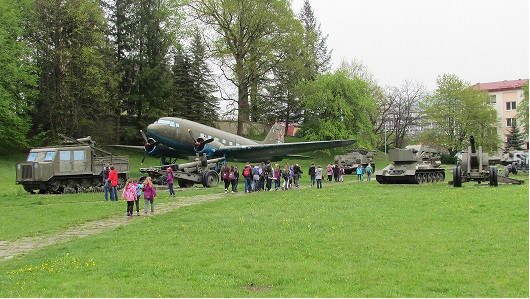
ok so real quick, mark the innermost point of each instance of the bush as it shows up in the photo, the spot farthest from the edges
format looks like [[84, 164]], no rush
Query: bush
[[448, 159]]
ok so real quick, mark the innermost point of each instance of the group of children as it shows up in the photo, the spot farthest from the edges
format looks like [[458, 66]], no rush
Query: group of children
[[132, 193]]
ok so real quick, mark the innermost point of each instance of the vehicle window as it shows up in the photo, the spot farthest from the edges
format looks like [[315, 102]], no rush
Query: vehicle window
[[64, 155], [79, 155], [31, 157], [49, 156], [168, 122]]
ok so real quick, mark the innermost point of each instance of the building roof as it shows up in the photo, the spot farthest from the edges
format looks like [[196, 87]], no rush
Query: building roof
[[502, 85]]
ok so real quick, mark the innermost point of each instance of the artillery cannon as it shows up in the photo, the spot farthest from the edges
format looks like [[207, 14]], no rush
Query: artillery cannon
[[199, 170], [416, 164], [473, 165]]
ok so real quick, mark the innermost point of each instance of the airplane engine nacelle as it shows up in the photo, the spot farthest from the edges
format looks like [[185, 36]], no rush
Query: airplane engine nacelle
[[160, 151], [210, 149]]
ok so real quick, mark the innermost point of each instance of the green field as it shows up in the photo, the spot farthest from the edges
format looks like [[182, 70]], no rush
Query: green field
[[347, 240]]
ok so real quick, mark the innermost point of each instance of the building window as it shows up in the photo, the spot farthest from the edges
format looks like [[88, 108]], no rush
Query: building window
[[511, 106], [510, 122], [493, 99]]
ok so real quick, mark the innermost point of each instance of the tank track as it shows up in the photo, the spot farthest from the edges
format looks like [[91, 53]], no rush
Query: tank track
[[420, 177]]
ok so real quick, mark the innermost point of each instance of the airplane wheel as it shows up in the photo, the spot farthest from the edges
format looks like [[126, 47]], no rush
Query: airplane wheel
[[457, 177], [210, 179]]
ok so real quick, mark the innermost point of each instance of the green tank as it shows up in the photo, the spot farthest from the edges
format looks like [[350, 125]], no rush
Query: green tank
[[70, 168], [416, 164]]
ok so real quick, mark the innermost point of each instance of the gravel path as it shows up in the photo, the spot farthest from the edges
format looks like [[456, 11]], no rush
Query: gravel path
[[10, 249]]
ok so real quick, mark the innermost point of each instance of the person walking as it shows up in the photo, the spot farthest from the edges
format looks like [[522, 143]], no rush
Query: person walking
[[277, 177], [311, 172], [225, 175], [359, 172], [113, 181], [232, 178], [149, 195], [319, 176], [247, 174], [329, 172], [286, 174], [170, 180], [235, 182], [138, 195], [129, 194], [368, 172], [105, 177], [297, 174]]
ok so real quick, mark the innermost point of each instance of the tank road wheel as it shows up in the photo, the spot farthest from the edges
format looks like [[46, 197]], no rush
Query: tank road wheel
[[419, 178], [184, 183], [494, 177], [210, 179], [457, 177], [430, 177]]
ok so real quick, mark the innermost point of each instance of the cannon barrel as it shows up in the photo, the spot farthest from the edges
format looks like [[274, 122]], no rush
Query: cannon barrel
[[197, 163], [472, 143]]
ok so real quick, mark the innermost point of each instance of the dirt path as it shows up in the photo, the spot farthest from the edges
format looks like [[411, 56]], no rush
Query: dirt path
[[10, 249]]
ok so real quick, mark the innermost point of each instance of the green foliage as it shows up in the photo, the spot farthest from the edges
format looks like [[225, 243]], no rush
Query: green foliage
[[515, 139], [17, 75], [458, 111], [337, 107]]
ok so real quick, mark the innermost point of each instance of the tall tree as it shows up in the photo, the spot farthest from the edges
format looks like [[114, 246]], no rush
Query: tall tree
[[337, 107], [144, 34], [457, 111], [249, 32], [202, 77], [18, 78], [76, 78], [318, 58], [514, 139]]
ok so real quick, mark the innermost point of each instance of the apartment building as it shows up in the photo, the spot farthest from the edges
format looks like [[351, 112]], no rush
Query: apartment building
[[505, 97]]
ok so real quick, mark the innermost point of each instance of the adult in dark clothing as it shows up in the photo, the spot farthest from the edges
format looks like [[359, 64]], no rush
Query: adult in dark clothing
[[297, 173], [336, 172], [268, 172], [311, 172], [105, 177]]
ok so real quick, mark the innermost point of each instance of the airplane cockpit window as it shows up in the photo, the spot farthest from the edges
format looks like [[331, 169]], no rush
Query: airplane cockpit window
[[168, 122], [202, 135], [49, 156], [31, 157]]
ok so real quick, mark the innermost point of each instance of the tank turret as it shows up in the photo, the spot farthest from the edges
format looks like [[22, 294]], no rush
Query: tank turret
[[415, 164]]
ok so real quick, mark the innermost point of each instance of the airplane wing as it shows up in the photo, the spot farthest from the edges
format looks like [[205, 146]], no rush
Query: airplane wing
[[278, 151]]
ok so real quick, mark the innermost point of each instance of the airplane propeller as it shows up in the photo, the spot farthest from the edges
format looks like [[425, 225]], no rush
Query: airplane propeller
[[199, 143], [149, 144]]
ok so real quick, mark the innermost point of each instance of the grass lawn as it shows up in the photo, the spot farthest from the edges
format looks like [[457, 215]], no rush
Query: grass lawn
[[347, 240]]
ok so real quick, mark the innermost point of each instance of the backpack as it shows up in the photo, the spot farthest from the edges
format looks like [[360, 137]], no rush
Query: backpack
[[246, 172]]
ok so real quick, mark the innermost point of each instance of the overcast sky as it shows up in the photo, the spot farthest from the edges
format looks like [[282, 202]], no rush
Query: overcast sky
[[476, 40]]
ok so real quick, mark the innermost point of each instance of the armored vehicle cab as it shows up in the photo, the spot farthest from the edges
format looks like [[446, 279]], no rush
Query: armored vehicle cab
[[415, 164], [68, 168]]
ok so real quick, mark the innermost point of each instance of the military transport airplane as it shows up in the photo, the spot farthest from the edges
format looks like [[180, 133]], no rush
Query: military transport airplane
[[174, 137]]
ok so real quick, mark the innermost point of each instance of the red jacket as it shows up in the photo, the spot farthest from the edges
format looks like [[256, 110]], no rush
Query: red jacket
[[113, 178]]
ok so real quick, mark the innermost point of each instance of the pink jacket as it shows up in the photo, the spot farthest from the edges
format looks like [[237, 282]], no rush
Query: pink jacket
[[129, 193], [149, 192]]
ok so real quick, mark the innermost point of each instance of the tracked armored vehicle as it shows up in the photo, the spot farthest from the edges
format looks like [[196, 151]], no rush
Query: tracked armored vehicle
[[70, 168], [351, 160], [416, 164]]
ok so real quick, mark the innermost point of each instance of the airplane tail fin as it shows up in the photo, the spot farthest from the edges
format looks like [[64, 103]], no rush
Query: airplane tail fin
[[275, 135]]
